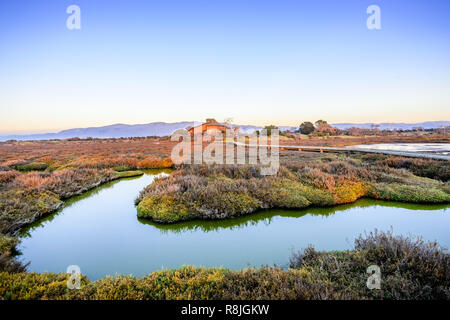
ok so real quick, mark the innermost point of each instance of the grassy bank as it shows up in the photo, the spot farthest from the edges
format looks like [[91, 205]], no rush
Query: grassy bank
[[410, 269], [26, 197], [217, 192]]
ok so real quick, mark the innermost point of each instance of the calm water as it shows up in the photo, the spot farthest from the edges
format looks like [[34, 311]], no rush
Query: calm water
[[441, 148], [100, 232]]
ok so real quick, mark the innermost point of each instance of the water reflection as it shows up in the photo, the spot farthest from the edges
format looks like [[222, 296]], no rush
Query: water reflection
[[266, 216], [26, 232]]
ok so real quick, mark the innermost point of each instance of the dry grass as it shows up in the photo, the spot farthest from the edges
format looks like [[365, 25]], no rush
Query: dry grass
[[118, 154]]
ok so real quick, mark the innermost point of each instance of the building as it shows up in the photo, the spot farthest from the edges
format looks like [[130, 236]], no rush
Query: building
[[209, 126]]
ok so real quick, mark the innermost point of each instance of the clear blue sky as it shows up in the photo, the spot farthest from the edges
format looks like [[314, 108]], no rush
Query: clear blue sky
[[259, 62]]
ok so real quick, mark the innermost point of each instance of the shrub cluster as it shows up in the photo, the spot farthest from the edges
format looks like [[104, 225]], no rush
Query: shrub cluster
[[433, 169], [410, 267], [8, 262]]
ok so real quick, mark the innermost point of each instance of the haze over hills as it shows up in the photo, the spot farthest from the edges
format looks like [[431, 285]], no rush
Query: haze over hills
[[394, 126], [166, 129]]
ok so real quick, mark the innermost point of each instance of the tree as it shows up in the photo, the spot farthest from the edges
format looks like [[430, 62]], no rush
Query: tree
[[323, 127], [268, 129], [321, 123], [307, 127]]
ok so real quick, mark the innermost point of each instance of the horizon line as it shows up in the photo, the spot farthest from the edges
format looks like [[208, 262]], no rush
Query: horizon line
[[56, 131]]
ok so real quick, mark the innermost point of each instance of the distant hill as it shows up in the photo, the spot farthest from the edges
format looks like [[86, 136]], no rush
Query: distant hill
[[166, 129], [251, 129], [122, 130], [394, 126], [111, 131]]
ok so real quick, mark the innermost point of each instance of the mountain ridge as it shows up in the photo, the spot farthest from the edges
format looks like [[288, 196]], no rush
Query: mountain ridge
[[121, 130]]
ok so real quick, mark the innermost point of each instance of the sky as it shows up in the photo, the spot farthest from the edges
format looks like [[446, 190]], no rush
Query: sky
[[258, 62]]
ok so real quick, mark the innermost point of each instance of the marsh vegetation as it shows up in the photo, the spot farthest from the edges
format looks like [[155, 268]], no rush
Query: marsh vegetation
[[36, 178], [217, 192]]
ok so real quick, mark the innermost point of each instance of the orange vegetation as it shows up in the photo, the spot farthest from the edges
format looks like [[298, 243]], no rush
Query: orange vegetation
[[119, 154]]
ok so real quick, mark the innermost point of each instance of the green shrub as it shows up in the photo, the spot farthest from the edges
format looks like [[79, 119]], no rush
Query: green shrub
[[284, 193], [122, 168], [317, 197], [408, 193], [129, 174], [20, 207], [7, 243], [33, 166], [163, 209]]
